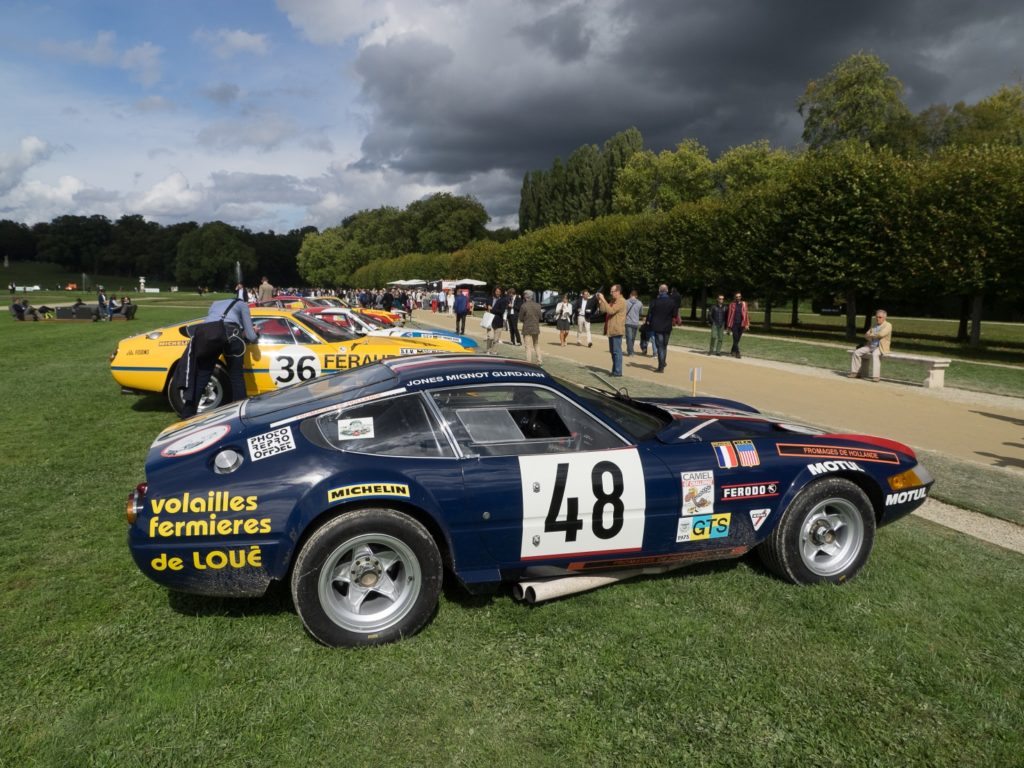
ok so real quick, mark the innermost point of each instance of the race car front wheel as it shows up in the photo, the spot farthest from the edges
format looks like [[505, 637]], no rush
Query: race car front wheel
[[367, 577], [825, 534]]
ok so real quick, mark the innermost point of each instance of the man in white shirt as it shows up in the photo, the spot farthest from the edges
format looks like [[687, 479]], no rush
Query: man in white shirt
[[583, 308]]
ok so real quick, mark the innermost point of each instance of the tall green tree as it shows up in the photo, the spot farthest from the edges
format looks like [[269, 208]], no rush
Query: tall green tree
[[858, 100], [973, 227], [849, 221], [582, 170], [207, 256], [660, 182], [749, 165], [445, 222], [76, 242], [614, 155]]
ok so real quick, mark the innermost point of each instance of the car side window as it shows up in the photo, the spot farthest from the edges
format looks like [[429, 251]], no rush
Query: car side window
[[519, 420], [397, 426], [300, 334], [273, 330]]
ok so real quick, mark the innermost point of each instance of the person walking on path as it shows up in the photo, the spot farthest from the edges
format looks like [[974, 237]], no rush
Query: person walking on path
[[515, 303], [460, 305], [717, 316], [499, 304], [615, 311], [659, 319], [530, 316], [563, 316], [583, 311], [265, 291], [878, 338], [737, 322], [633, 309]]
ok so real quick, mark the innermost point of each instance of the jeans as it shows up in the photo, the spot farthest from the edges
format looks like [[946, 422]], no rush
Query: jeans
[[460, 323], [737, 332], [717, 335], [615, 347], [660, 341], [631, 338]]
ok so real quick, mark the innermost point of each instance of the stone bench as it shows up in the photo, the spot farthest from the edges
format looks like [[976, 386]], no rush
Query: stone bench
[[934, 367]]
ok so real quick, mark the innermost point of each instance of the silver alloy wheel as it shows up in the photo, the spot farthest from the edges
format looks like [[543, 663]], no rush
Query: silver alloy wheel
[[369, 583], [213, 395], [831, 537]]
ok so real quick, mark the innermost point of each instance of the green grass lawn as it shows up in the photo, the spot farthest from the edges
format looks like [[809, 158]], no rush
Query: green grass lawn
[[916, 662]]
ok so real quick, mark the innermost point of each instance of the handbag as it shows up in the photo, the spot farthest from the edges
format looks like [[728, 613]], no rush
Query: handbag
[[487, 320]]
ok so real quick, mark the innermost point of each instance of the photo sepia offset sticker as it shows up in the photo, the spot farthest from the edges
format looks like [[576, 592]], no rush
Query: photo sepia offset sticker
[[271, 443]]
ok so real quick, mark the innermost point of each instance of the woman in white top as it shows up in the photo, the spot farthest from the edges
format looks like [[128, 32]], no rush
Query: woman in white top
[[563, 318]]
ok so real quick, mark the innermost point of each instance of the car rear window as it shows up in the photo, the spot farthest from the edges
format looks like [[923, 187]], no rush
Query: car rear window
[[342, 386]]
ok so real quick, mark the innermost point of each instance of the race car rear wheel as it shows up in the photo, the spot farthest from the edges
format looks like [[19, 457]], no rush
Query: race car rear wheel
[[214, 395], [367, 577], [825, 534]]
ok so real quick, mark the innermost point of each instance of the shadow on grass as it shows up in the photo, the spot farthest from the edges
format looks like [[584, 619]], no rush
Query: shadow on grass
[[150, 403], [277, 600]]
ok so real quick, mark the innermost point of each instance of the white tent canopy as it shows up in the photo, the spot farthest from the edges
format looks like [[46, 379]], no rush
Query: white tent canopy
[[469, 281], [408, 282]]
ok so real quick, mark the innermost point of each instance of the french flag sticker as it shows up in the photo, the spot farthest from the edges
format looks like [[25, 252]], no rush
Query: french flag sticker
[[726, 455]]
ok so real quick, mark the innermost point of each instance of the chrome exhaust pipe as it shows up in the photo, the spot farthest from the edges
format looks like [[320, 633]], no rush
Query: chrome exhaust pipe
[[540, 590]]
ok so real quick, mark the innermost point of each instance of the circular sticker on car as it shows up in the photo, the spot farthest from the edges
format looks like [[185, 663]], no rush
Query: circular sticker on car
[[292, 365], [195, 441]]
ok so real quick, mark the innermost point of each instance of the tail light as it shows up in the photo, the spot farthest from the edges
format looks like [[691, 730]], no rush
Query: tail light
[[134, 503]]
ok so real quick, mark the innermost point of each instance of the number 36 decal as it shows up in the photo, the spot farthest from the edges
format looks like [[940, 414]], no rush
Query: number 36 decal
[[292, 365], [582, 503]]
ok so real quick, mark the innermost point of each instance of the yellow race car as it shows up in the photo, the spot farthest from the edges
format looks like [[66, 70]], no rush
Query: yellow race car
[[292, 347]]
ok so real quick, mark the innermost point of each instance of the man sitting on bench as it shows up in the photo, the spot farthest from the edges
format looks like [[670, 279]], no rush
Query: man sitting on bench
[[878, 337]]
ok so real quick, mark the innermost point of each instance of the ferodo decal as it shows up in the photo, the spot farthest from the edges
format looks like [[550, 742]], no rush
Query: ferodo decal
[[904, 496], [359, 490], [698, 492], [290, 365], [271, 443], [586, 503], [701, 527], [836, 452], [194, 442], [750, 491], [758, 516], [822, 467]]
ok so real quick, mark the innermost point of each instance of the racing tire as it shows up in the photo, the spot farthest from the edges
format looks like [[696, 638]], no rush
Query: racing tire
[[825, 535], [367, 577], [214, 396]]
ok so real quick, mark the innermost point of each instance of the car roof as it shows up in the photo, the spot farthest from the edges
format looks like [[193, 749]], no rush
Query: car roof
[[445, 370]]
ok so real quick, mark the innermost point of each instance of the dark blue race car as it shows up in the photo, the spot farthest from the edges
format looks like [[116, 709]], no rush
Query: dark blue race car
[[360, 488]]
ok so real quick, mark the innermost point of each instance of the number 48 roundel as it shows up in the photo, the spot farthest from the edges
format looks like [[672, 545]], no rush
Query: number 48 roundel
[[575, 504]]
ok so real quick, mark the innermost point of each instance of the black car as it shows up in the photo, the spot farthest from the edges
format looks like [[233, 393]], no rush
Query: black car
[[481, 300]]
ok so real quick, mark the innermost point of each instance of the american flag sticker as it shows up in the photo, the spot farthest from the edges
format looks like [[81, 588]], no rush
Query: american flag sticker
[[726, 455], [747, 453]]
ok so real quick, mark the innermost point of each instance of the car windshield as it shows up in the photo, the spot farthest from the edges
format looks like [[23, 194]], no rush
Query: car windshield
[[638, 420], [340, 387], [329, 332]]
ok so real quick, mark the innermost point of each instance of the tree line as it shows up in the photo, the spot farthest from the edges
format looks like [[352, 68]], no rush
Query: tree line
[[187, 253], [850, 221]]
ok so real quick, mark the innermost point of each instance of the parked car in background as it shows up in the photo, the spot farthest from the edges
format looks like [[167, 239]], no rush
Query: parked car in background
[[292, 347]]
